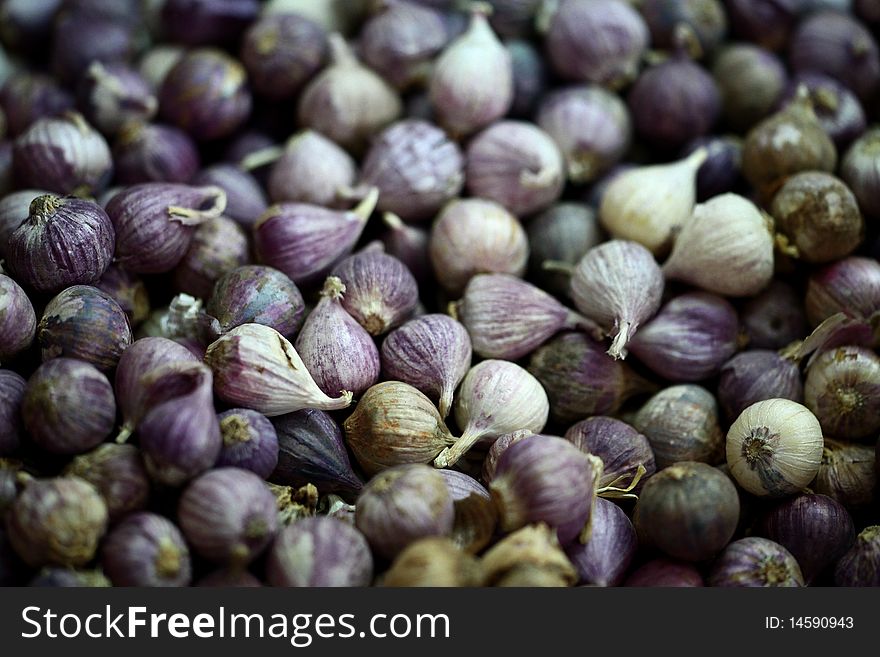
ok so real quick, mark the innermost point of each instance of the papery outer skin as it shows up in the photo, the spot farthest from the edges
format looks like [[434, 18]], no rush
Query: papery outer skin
[[490, 462], [860, 170], [18, 322], [604, 559], [402, 504], [380, 291], [591, 127], [508, 318], [665, 572], [335, 349], [281, 52], [112, 95], [462, 486], [619, 285], [597, 41], [65, 241], [138, 361], [544, 479], [408, 244], [431, 353], [150, 152], [219, 246], [312, 450], [691, 337], [495, 397], [850, 285], [347, 101], [725, 248], [30, 95], [681, 424], [819, 215], [62, 155], [774, 318], [580, 378], [228, 515], [621, 448], [83, 322], [155, 223], [12, 387], [249, 441], [313, 169], [245, 198], [706, 18], [401, 41], [180, 435], [747, 66], [258, 294], [753, 376], [795, 444], [206, 94], [472, 82], [815, 529], [118, 474], [395, 424], [689, 97], [746, 563], [128, 290], [473, 236], [416, 168], [14, 210], [68, 406], [842, 389], [649, 204], [320, 551], [861, 565], [305, 241], [146, 549], [847, 474], [57, 521], [689, 511], [516, 164], [838, 109], [256, 367]]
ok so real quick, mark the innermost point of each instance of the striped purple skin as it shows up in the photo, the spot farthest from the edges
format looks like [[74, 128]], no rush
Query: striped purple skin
[[604, 559], [257, 294], [249, 441], [380, 292], [148, 152], [490, 463], [146, 549], [432, 353], [206, 94], [63, 242], [665, 572], [297, 51], [861, 565], [84, 322], [114, 95], [755, 562], [842, 389], [62, 155], [228, 516], [12, 388], [756, 375], [68, 407], [128, 290], [14, 211], [621, 448], [305, 241], [312, 451], [28, 96], [155, 223], [403, 159], [336, 350], [850, 285], [219, 246], [408, 244], [320, 551], [118, 473], [245, 199], [144, 356], [462, 486], [590, 125], [18, 322], [313, 169], [180, 436]]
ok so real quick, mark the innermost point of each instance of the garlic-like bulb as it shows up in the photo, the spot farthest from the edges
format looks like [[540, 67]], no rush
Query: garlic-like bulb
[[726, 247], [256, 367], [649, 204], [774, 448]]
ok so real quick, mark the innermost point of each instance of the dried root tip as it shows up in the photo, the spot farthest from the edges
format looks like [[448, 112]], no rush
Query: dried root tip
[[343, 401], [124, 434], [262, 157], [613, 490], [618, 345], [333, 288], [211, 207], [450, 455]]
